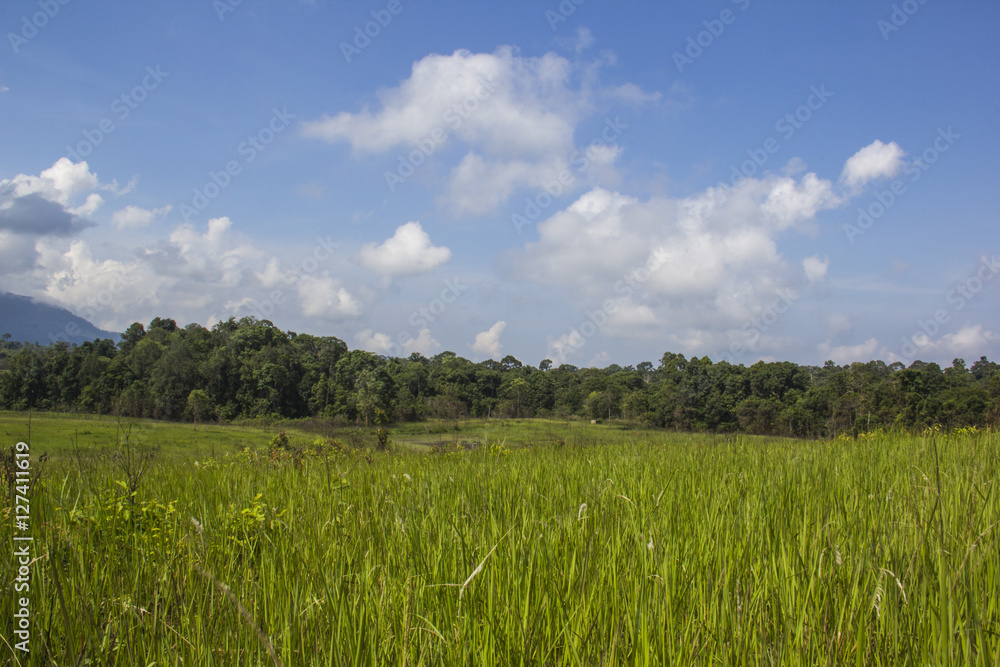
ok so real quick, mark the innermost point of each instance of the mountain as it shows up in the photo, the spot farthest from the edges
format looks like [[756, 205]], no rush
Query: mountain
[[29, 321]]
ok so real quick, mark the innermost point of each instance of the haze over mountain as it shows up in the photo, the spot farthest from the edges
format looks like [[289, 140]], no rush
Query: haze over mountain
[[30, 321]]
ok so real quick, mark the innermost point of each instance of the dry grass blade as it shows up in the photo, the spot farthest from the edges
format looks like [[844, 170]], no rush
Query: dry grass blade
[[626, 498], [479, 568]]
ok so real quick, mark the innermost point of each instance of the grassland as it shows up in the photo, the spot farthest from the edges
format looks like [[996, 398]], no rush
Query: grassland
[[516, 543]]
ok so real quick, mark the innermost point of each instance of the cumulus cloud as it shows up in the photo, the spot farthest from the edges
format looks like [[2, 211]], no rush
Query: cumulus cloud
[[42, 205], [563, 347], [93, 202], [815, 268], [846, 354], [59, 183], [706, 261], [580, 41], [374, 342], [34, 215], [190, 271], [789, 201], [516, 117], [408, 252], [326, 298], [876, 160], [216, 257], [969, 341], [104, 291], [691, 272], [515, 102], [194, 274], [424, 343], [488, 342], [380, 343], [478, 185], [134, 216]]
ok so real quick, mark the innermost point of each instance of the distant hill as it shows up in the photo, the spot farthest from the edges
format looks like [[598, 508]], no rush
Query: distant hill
[[29, 321]]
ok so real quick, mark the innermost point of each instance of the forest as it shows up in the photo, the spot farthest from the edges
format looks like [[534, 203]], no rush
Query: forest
[[250, 369]]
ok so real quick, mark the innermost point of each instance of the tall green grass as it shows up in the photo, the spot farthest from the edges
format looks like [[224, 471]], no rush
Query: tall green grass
[[642, 550]]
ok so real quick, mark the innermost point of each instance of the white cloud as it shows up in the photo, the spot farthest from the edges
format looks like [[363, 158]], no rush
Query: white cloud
[[59, 183], [185, 273], [192, 275], [876, 160], [41, 205], [562, 348], [134, 216], [579, 42], [970, 341], [516, 117], [478, 185], [488, 342], [376, 343], [815, 268], [326, 298], [104, 291], [691, 273], [789, 201], [273, 276], [846, 354], [424, 343], [380, 343], [93, 202], [708, 261], [518, 105], [408, 252]]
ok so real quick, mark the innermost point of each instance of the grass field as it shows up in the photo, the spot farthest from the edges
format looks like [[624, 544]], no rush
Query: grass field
[[552, 543]]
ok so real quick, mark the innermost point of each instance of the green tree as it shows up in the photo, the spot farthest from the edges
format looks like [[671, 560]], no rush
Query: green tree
[[199, 406]]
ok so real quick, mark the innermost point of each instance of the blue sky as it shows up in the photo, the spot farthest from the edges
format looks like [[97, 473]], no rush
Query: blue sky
[[589, 182]]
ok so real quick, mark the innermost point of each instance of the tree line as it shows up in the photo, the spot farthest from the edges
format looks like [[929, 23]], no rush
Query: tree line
[[248, 368]]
